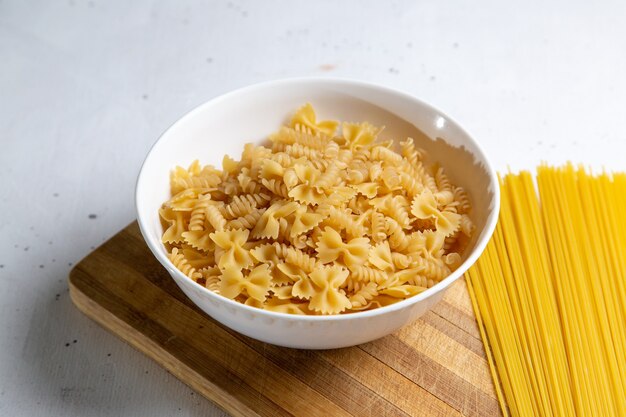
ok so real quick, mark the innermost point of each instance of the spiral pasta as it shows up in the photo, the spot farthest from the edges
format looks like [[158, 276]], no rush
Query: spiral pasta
[[412, 154], [243, 204], [199, 213], [180, 184], [215, 218], [363, 296], [344, 220], [180, 262], [298, 151], [368, 274], [248, 221]]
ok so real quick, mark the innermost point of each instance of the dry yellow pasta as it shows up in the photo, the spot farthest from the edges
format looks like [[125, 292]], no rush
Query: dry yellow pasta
[[322, 220], [549, 293]]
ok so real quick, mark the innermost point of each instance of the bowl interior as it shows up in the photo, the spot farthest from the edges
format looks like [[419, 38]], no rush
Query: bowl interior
[[223, 125]]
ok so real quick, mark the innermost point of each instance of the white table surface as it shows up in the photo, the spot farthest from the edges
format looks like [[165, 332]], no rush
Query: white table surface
[[87, 86]]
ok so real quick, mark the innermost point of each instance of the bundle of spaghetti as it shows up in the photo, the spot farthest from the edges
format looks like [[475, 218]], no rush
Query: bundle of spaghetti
[[549, 294], [588, 286]]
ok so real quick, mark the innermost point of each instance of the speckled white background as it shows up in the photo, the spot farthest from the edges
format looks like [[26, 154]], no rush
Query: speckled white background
[[87, 86]]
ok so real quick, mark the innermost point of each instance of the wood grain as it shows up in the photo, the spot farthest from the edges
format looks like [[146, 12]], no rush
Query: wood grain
[[434, 367]]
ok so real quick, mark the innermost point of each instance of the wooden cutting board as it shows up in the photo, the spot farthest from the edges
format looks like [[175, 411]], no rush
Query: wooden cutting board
[[434, 367]]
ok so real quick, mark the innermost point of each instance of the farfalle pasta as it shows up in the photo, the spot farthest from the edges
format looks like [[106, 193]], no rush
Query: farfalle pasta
[[323, 219]]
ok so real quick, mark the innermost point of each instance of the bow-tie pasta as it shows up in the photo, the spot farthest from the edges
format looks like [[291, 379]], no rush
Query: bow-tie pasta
[[326, 218]]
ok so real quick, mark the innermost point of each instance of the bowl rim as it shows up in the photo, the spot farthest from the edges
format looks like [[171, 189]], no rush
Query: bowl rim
[[489, 228]]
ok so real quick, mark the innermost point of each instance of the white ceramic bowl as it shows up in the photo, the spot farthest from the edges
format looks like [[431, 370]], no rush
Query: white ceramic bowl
[[224, 124]]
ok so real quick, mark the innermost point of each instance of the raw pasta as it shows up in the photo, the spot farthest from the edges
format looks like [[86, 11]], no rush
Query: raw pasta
[[549, 293], [324, 219]]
